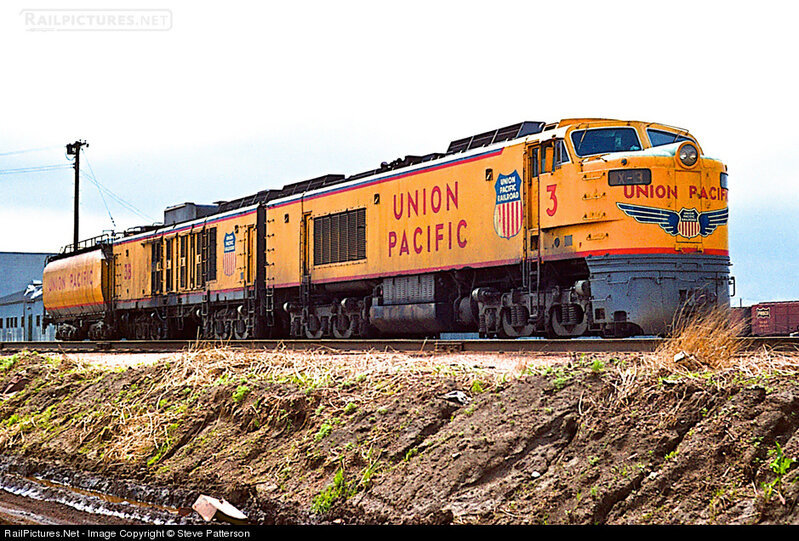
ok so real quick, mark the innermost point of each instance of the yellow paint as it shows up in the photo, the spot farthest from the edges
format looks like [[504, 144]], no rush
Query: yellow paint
[[417, 222], [180, 268], [579, 215], [76, 286], [587, 205], [434, 216]]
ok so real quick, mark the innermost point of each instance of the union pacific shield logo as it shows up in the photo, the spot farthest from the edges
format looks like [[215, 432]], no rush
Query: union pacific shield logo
[[688, 223], [508, 211], [229, 255]]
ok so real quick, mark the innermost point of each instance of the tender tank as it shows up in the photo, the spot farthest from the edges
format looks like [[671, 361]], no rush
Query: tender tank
[[76, 287]]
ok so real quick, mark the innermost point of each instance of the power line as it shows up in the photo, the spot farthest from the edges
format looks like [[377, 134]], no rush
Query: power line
[[90, 175], [35, 169], [97, 184], [115, 197], [11, 153], [112, 195]]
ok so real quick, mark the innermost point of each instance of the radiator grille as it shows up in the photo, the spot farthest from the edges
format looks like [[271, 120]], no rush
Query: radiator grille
[[339, 237]]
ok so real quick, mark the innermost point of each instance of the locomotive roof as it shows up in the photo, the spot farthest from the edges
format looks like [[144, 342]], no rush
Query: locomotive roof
[[458, 150], [185, 225], [458, 146]]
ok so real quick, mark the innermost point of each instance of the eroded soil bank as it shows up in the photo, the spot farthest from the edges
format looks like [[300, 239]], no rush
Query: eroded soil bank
[[298, 438]]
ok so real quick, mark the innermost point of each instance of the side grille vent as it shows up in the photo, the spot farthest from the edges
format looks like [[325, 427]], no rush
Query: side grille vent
[[339, 237]]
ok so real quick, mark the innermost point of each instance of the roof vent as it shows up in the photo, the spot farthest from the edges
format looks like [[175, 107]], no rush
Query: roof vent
[[507, 133], [186, 211]]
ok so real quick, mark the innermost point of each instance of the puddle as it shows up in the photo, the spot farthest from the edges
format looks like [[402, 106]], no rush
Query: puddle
[[88, 501]]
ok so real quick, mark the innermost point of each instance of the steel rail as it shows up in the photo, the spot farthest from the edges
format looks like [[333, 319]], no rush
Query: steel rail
[[626, 345]]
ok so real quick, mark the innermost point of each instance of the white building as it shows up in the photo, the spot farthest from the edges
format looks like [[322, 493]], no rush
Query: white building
[[22, 314]]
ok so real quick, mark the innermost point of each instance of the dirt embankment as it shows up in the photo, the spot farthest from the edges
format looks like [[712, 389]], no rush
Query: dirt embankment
[[386, 438]]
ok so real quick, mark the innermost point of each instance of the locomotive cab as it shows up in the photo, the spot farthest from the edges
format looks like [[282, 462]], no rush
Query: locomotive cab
[[648, 218]]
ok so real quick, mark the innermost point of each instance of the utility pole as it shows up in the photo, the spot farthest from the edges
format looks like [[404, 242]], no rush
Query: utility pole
[[73, 149]]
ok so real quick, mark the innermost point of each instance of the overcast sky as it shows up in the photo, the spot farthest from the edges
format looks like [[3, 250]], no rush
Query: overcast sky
[[200, 103]]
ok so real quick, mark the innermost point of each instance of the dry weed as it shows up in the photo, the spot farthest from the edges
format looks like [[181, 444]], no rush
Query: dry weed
[[140, 427], [701, 341], [145, 424]]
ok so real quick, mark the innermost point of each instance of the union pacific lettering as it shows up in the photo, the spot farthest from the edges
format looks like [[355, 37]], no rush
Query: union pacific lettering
[[661, 191], [444, 235], [74, 280]]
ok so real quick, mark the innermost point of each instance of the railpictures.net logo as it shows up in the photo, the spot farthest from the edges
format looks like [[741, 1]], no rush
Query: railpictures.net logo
[[117, 20]]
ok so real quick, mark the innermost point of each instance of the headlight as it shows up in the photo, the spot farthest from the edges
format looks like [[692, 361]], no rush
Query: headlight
[[688, 155]]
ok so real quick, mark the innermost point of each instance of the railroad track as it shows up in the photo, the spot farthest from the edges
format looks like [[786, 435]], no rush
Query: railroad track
[[627, 345]]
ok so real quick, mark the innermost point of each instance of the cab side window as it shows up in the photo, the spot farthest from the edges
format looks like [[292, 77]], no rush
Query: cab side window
[[561, 153], [661, 137]]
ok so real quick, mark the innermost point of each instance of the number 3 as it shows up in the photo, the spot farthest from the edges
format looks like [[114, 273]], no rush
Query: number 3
[[554, 198]]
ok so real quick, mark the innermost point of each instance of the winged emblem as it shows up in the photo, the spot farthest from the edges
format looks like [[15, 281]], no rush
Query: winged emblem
[[687, 223]]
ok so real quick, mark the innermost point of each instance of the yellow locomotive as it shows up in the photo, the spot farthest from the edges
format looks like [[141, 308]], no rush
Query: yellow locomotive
[[585, 226]]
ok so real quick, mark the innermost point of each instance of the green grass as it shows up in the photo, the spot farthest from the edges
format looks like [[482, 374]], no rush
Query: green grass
[[779, 466], [477, 387], [6, 363], [324, 431], [350, 408], [241, 393], [338, 490]]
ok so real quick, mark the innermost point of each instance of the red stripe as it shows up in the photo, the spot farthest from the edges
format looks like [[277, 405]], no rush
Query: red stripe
[[76, 305], [513, 219], [498, 263], [635, 251]]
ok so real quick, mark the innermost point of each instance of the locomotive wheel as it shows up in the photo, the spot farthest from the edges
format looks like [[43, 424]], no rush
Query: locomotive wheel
[[509, 331], [141, 330], [313, 335], [222, 326], [240, 330], [555, 329], [341, 327], [158, 330], [313, 328]]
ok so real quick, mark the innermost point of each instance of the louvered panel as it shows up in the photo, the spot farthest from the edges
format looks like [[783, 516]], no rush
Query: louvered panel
[[325, 240], [340, 237], [317, 240], [335, 242], [361, 216], [343, 236], [352, 236]]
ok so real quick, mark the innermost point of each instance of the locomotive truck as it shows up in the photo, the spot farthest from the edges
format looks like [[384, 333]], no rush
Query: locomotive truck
[[579, 227]]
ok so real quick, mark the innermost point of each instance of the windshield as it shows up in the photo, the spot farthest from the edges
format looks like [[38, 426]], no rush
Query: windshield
[[605, 140], [661, 137]]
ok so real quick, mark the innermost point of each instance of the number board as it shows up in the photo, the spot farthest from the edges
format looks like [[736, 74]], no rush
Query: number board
[[626, 177]]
